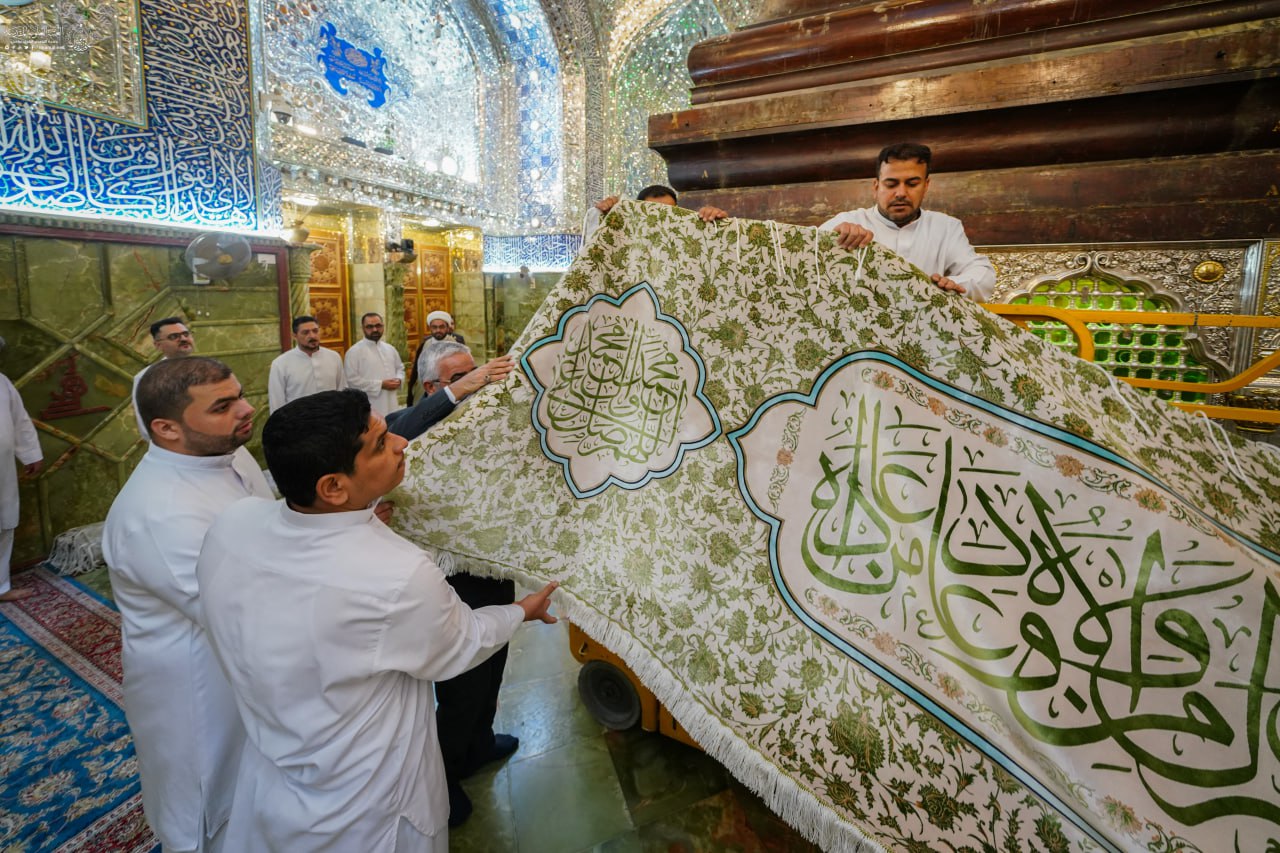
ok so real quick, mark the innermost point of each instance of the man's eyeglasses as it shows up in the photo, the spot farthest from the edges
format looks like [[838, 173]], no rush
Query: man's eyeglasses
[[176, 336], [455, 377]]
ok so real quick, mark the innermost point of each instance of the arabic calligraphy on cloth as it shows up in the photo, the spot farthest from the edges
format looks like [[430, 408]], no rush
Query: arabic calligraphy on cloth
[[916, 576]]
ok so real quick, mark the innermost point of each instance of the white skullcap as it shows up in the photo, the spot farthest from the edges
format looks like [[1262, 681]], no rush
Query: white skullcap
[[439, 315]]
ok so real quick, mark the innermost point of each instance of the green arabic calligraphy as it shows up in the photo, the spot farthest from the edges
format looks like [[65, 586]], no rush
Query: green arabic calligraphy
[[1079, 618], [618, 391]]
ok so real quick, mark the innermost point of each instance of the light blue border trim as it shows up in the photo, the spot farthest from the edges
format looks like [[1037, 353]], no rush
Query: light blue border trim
[[983, 745], [699, 394]]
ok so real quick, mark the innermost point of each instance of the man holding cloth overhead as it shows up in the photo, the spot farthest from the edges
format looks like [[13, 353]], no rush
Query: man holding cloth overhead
[[332, 629]]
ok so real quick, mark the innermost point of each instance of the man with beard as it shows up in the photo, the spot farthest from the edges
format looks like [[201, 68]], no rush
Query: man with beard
[[932, 241], [374, 367], [172, 339], [186, 731], [305, 369], [439, 328], [332, 628]]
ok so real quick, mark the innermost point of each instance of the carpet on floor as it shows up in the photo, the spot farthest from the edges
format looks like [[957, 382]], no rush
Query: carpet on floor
[[68, 775]]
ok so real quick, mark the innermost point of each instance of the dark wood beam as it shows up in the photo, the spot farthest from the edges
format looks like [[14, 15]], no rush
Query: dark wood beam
[[1206, 197], [753, 82]]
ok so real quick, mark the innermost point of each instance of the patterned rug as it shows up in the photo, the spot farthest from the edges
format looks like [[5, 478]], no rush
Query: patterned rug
[[68, 776], [919, 578]]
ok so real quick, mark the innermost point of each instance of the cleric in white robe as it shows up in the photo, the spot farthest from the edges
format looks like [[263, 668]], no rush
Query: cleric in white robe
[[332, 628], [178, 704], [374, 367], [18, 439]]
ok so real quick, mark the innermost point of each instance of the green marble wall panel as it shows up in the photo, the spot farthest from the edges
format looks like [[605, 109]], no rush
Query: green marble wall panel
[[9, 309], [64, 284], [138, 275], [25, 347], [124, 356], [228, 303], [117, 435], [76, 315], [212, 338], [468, 309], [78, 493], [252, 369]]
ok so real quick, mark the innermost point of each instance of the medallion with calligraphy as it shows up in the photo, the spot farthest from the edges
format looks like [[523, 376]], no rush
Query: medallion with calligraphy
[[938, 585], [619, 393]]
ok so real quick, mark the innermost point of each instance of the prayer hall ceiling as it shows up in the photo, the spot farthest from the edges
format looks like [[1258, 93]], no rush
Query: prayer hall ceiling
[[510, 115], [507, 114]]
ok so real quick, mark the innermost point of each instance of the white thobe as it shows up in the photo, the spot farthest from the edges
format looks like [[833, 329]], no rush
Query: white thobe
[[179, 706], [934, 242], [18, 439], [332, 628], [296, 374], [367, 364], [137, 377], [590, 222]]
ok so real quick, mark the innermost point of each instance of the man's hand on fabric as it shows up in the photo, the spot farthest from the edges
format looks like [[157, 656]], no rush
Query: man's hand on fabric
[[383, 511], [491, 371], [947, 284], [711, 214], [850, 236], [535, 605], [390, 384], [605, 205]]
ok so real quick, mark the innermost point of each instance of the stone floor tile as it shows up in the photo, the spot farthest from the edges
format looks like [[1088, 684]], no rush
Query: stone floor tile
[[567, 799], [545, 714]]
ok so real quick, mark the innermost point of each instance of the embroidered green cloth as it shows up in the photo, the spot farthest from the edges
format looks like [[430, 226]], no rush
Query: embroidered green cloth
[[919, 578]]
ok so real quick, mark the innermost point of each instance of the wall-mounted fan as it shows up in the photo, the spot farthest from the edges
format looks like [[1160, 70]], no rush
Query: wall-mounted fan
[[217, 257]]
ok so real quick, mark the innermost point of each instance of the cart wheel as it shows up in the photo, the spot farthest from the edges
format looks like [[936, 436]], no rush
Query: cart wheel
[[609, 695]]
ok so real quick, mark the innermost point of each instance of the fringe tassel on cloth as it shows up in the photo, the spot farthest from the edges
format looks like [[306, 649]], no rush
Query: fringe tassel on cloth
[[77, 551], [799, 808]]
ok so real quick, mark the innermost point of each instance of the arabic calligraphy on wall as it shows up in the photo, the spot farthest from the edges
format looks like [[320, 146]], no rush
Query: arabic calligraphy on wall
[[619, 393], [193, 164], [1093, 640], [343, 61]]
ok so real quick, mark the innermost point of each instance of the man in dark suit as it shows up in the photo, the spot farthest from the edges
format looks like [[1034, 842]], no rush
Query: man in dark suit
[[439, 328], [465, 704], [443, 397]]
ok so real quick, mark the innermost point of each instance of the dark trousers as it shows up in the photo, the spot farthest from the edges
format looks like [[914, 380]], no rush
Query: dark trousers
[[466, 704]]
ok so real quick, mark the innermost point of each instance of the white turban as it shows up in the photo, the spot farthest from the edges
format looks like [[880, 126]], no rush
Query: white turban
[[439, 315]]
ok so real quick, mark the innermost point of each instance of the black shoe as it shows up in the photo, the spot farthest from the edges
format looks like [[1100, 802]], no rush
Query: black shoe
[[459, 806], [503, 746]]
